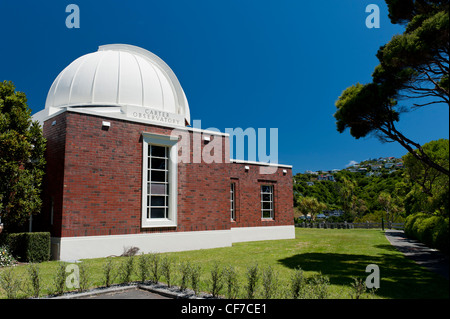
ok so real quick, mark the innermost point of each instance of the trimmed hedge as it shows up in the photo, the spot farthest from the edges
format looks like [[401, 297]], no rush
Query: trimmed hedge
[[431, 230], [29, 247]]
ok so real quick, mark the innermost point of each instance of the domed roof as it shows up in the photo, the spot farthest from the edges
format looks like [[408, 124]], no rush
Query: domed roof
[[119, 75]]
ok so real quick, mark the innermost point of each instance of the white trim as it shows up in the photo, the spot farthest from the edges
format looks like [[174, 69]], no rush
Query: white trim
[[243, 234], [259, 163], [74, 248], [170, 142], [117, 113]]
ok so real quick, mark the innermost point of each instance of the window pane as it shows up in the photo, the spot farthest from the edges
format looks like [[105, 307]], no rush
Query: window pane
[[266, 214], [158, 163], [266, 197], [159, 151], [266, 189], [158, 201], [158, 176], [158, 189], [267, 205], [157, 213]]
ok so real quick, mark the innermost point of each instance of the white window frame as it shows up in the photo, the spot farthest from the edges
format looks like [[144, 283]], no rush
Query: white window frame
[[271, 201], [170, 142], [233, 200]]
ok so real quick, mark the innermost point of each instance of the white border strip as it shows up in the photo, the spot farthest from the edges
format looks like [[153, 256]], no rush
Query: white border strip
[[74, 248], [259, 163]]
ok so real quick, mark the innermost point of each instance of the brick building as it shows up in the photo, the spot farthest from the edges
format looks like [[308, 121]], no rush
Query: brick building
[[124, 168]]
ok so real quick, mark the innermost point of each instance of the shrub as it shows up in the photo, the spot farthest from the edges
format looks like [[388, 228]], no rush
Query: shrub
[[59, 279], [33, 272], [143, 270], [426, 228], [184, 268], [216, 282], [10, 282], [441, 236], [433, 231], [195, 273], [358, 288], [166, 269], [297, 283], [84, 277], [231, 280], [155, 272], [252, 281], [6, 259], [109, 273], [318, 286], [412, 222], [269, 282], [126, 269], [30, 247]]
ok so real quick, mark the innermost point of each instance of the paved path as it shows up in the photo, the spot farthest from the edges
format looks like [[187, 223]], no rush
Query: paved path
[[135, 293], [421, 254]]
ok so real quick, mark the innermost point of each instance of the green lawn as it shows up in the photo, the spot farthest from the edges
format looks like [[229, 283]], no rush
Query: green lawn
[[340, 254]]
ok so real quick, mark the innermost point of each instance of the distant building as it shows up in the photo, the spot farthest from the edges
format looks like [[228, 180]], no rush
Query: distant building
[[325, 177]]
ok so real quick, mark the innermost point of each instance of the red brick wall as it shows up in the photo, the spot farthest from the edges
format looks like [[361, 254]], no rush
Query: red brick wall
[[248, 195], [96, 186]]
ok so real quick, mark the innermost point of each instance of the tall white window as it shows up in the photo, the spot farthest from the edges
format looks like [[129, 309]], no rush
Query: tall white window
[[233, 201], [159, 181], [267, 201]]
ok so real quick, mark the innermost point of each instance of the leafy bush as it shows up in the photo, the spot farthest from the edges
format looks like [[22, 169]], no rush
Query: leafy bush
[[126, 268], [411, 226], [269, 282], [318, 287], [433, 231], [109, 273], [195, 273], [35, 279], [10, 282], [155, 271], [185, 268], [143, 271], [216, 281], [6, 259], [30, 247], [441, 236], [232, 283], [252, 281], [59, 278], [425, 229], [297, 282], [167, 269]]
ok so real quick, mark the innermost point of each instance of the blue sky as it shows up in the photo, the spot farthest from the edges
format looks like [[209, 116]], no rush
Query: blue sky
[[248, 63]]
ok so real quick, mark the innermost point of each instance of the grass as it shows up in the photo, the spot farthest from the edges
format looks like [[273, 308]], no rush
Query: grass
[[340, 254]]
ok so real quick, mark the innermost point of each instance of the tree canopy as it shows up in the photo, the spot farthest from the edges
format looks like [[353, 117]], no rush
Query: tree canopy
[[413, 72], [391, 191], [21, 158]]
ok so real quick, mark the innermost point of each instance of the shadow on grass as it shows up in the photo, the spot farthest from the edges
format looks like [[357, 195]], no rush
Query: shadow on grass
[[399, 278]]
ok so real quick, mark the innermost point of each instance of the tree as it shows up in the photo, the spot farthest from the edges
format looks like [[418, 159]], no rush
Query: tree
[[310, 205], [430, 191], [389, 204], [414, 67], [346, 189], [21, 158]]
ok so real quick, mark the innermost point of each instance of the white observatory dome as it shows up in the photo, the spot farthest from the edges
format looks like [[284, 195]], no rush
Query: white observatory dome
[[118, 75]]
